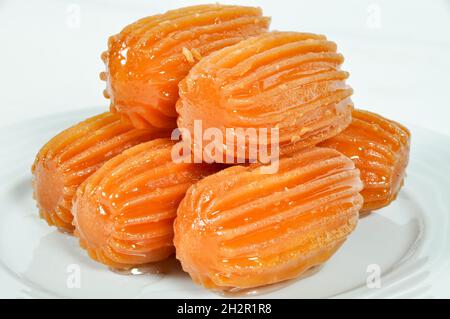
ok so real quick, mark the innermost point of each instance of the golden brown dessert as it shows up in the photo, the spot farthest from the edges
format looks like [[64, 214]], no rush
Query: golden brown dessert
[[285, 80], [380, 149], [124, 213], [242, 228], [73, 155], [147, 59]]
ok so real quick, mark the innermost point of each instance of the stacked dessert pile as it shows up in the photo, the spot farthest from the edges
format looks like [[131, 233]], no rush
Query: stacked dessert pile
[[148, 179]]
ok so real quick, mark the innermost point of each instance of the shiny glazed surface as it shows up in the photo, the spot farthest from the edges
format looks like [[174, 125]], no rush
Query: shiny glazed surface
[[379, 148], [148, 58], [286, 80], [123, 214], [72, 156], [241, 228]]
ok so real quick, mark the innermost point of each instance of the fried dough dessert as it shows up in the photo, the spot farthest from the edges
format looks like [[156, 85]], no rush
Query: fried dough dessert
[[123, 214], [285, 80], [240, 228], [148, 58], [73, 155], [379, 147]]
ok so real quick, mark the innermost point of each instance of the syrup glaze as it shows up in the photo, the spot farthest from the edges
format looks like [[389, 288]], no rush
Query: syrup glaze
[[242, 228], [147, 59]]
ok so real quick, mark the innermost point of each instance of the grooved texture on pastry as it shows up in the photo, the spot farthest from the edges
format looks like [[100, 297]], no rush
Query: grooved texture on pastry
[[123, 214], [243, 228], [285, 80], [147, 59], [380, 149], [73, 155]]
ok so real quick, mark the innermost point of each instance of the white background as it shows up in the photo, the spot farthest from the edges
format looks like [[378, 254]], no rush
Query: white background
[[398, 52]]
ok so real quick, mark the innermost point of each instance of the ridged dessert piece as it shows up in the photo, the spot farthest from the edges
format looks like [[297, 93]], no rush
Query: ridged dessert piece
[[285, 80], [241, 228], [73, 155], [123, 214], [147, 59], [379, 147]]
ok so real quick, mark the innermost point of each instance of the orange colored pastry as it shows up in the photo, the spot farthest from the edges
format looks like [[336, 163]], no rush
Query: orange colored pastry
[[285, 80], [379, 147], [147, 59], [123, 214], [243, 228], [72, 156]]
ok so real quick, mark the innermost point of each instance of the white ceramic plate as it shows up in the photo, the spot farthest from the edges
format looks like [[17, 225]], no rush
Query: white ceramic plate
[[409, 241]]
